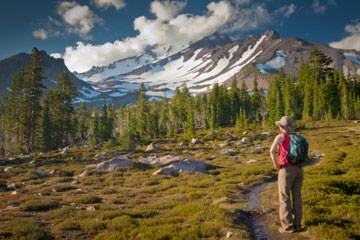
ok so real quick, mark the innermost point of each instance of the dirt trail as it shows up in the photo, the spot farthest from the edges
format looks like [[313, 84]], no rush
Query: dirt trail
[[252, 215]]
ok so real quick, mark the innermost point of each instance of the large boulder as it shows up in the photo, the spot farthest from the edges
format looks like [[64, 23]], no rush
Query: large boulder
[[185, 165], [113, 164], [160, 160]]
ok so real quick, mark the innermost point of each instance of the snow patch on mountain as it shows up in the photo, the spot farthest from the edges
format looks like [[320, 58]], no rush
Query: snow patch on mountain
[[352, 57], [89, 93], [274, 64]]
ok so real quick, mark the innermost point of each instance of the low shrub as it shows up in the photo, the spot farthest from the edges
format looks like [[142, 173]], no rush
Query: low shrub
[[88, 199], [26, 229], [39, 205]]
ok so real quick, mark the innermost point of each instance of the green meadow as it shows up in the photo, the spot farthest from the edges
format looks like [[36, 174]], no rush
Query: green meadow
[[135, 204]]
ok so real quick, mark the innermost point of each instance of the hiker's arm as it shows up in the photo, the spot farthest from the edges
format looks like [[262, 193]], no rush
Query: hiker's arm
[[273, 150]]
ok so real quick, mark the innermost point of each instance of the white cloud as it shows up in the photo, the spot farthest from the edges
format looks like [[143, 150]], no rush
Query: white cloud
[[287, 10], [318, 8], [79, 19], [166, 10], [172, 30], [118, 4], [350, 42], [242, 2], [40, 33], [178, 31], [56, 55], [250, 18]]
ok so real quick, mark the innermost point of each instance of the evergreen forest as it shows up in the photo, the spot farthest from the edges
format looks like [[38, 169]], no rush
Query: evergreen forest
[[33, 119]]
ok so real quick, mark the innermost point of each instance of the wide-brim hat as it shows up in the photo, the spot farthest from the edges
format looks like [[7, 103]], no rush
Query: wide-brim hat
[[286, 124]]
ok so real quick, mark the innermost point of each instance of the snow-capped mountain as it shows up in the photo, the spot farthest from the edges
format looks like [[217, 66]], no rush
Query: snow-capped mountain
[[216, 58]]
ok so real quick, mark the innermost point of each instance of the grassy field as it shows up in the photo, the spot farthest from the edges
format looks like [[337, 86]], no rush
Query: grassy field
[[135, 204]]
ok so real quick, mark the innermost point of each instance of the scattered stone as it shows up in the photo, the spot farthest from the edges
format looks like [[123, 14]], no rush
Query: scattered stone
[[151, 147], [99, 146], [84, 173], [11, 186], [266, 133], [16, 192], [32, 162], [53, 172], [65, 150], [101, 155], [222, 145], [75, 182], [236, 158], [257, 151], [229, 234], [7, 169], [195, 141], [251, 161], [39, 173], [91, 208], [245, 140], [230, 152], [185, 165], [356, 121], [113, 164], [183, 144], [245, 133], [161, 160]]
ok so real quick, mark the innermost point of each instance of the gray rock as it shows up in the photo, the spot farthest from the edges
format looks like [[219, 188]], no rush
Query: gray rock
[[7, 169], [160, 160], [16, 192], [151, 147], [195, 141], [11, 186], [230, 152], [101, 155], [39, 173], [229, 234], [185, 165], [113, 164], [91, 208], [65, 150], [183, 144], [53, 172]]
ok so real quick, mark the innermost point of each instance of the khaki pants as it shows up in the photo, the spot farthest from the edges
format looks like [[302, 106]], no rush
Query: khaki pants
[[290, 181]]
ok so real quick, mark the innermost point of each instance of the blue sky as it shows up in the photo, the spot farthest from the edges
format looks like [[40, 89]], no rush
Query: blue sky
[[90, 33]]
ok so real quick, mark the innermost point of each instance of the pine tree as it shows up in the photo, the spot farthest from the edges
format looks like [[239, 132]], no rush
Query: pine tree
[[66, 92], [83, 122], [32, 93], [13, 114], [142, 106], [255, 101], [234, 96], [44, 128], [289, 97]]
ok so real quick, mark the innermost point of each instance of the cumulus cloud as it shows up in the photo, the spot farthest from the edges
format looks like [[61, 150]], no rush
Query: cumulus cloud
[[287, 10], [172, 30], [40, 34], [178, 31], [56, 55], [118, 4], [318, 8], [166, 10], [350, 42], [250, 18], [79, 19], [242, 2]]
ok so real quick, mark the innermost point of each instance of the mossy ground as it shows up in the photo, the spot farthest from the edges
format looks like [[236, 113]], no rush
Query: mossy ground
[[134, 204]]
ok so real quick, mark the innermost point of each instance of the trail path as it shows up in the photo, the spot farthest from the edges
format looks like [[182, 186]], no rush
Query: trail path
[[253, 214]]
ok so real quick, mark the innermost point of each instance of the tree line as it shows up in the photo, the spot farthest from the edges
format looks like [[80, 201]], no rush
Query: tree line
[[32, 120]]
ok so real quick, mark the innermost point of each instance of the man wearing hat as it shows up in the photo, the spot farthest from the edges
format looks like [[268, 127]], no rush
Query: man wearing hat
[[290, 178]]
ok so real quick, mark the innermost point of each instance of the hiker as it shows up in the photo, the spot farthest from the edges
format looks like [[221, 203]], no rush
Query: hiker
[[290, 179]]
